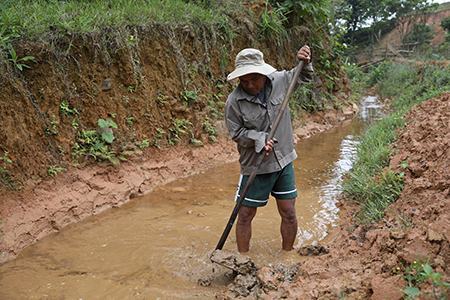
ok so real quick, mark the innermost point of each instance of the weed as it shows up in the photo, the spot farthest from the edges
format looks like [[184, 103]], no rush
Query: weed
[[5, 158], [210, 130], [417, 273], [161, 99], [6, 179], [130, 121], [179, 128], [158, 137], [96, 143], [132, 40], [20, 62], [106, 127], [272, 22], [55, 170], [53, 128], [66, 110], [143, 144], [75, 124], [188, 97], [131, 88], [195, 142]]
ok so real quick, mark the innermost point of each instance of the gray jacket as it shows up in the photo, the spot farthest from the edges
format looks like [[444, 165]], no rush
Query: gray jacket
[[249, 120]]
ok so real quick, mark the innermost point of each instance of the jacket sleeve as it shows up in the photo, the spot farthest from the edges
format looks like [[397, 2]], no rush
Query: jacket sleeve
[[244, 137], [306, 75]]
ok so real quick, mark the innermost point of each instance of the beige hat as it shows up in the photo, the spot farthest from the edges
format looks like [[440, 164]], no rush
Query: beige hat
[[249, 61]]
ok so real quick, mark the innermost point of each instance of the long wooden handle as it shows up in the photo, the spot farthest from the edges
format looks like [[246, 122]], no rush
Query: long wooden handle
[[258, 159]]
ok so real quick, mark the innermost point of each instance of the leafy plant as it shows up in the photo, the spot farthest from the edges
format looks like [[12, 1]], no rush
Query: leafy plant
[[96, 143], [5, 176], [20, 62], [196, 142], [55, 170], [66, 110], [161, 99], [130, 121], [158, 137], [5, 158], [106, 129], [131, 88], [53, 128], [210, 130], [417, 273], [189, 96], [272, 21], [144, 144], [178, 129]]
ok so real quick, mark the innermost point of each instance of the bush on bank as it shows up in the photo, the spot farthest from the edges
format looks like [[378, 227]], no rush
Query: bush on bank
[[371, 182]]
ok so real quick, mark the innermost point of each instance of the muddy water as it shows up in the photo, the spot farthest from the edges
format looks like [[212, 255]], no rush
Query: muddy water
[[157, 246]]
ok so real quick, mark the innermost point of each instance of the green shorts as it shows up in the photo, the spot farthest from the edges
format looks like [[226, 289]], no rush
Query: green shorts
[[280, 184]]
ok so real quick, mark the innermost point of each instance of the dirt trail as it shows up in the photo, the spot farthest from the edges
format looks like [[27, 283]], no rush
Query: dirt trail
[[368, 262]]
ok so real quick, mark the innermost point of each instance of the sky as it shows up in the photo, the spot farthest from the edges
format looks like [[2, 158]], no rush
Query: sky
[[440, 1]]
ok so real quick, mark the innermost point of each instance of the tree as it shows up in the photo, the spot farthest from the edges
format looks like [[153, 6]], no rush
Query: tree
[[374, 17]]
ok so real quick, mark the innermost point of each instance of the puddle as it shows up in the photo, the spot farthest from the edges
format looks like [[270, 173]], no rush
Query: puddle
[[157, 246]]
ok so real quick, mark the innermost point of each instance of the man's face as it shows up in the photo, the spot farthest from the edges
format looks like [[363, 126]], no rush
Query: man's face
[[252, 83]]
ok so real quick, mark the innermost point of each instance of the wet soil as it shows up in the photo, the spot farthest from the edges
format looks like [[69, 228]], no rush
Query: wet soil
[[369, 261]]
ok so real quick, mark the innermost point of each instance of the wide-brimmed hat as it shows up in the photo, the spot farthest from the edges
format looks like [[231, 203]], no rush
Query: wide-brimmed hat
[[249, 61]]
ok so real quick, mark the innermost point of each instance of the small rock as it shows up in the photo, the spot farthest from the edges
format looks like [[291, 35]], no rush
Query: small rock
[[204, 281], [106, 84], [313, 250], [434, 236]]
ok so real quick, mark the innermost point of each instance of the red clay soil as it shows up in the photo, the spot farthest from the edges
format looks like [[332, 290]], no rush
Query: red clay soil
[[369, 261]]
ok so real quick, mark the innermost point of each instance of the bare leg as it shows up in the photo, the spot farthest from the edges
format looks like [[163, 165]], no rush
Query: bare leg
[[244, 228], [288, 227]]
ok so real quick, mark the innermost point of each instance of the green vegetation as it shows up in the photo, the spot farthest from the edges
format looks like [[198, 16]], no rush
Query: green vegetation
[[6, 178], [210, 130], [43, 16], [272, 22], [55, 170], [416, 274], [371, 182], [188, 97], [96, 143], [20, 62], [159, 135], [420, 34], [66, 109], [178, 130]]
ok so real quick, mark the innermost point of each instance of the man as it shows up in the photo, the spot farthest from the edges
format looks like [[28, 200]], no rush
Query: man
[[250, 111]]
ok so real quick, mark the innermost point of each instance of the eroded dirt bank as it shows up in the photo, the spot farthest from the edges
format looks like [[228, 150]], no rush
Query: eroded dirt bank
[[369, 262], [32, 214]]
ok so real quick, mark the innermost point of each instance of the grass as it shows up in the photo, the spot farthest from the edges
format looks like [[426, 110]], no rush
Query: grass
[[371, 182], [33, 18]]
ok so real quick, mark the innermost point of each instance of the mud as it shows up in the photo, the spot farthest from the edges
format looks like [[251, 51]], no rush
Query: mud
[[234, 261], [369, 261]]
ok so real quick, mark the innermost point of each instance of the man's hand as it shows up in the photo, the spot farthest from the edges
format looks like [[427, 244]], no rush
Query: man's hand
[[269, 146], [304, 53]]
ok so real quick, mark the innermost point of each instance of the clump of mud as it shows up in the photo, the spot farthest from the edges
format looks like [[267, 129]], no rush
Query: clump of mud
[[239, 263], [268, 281], [313, 250]]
